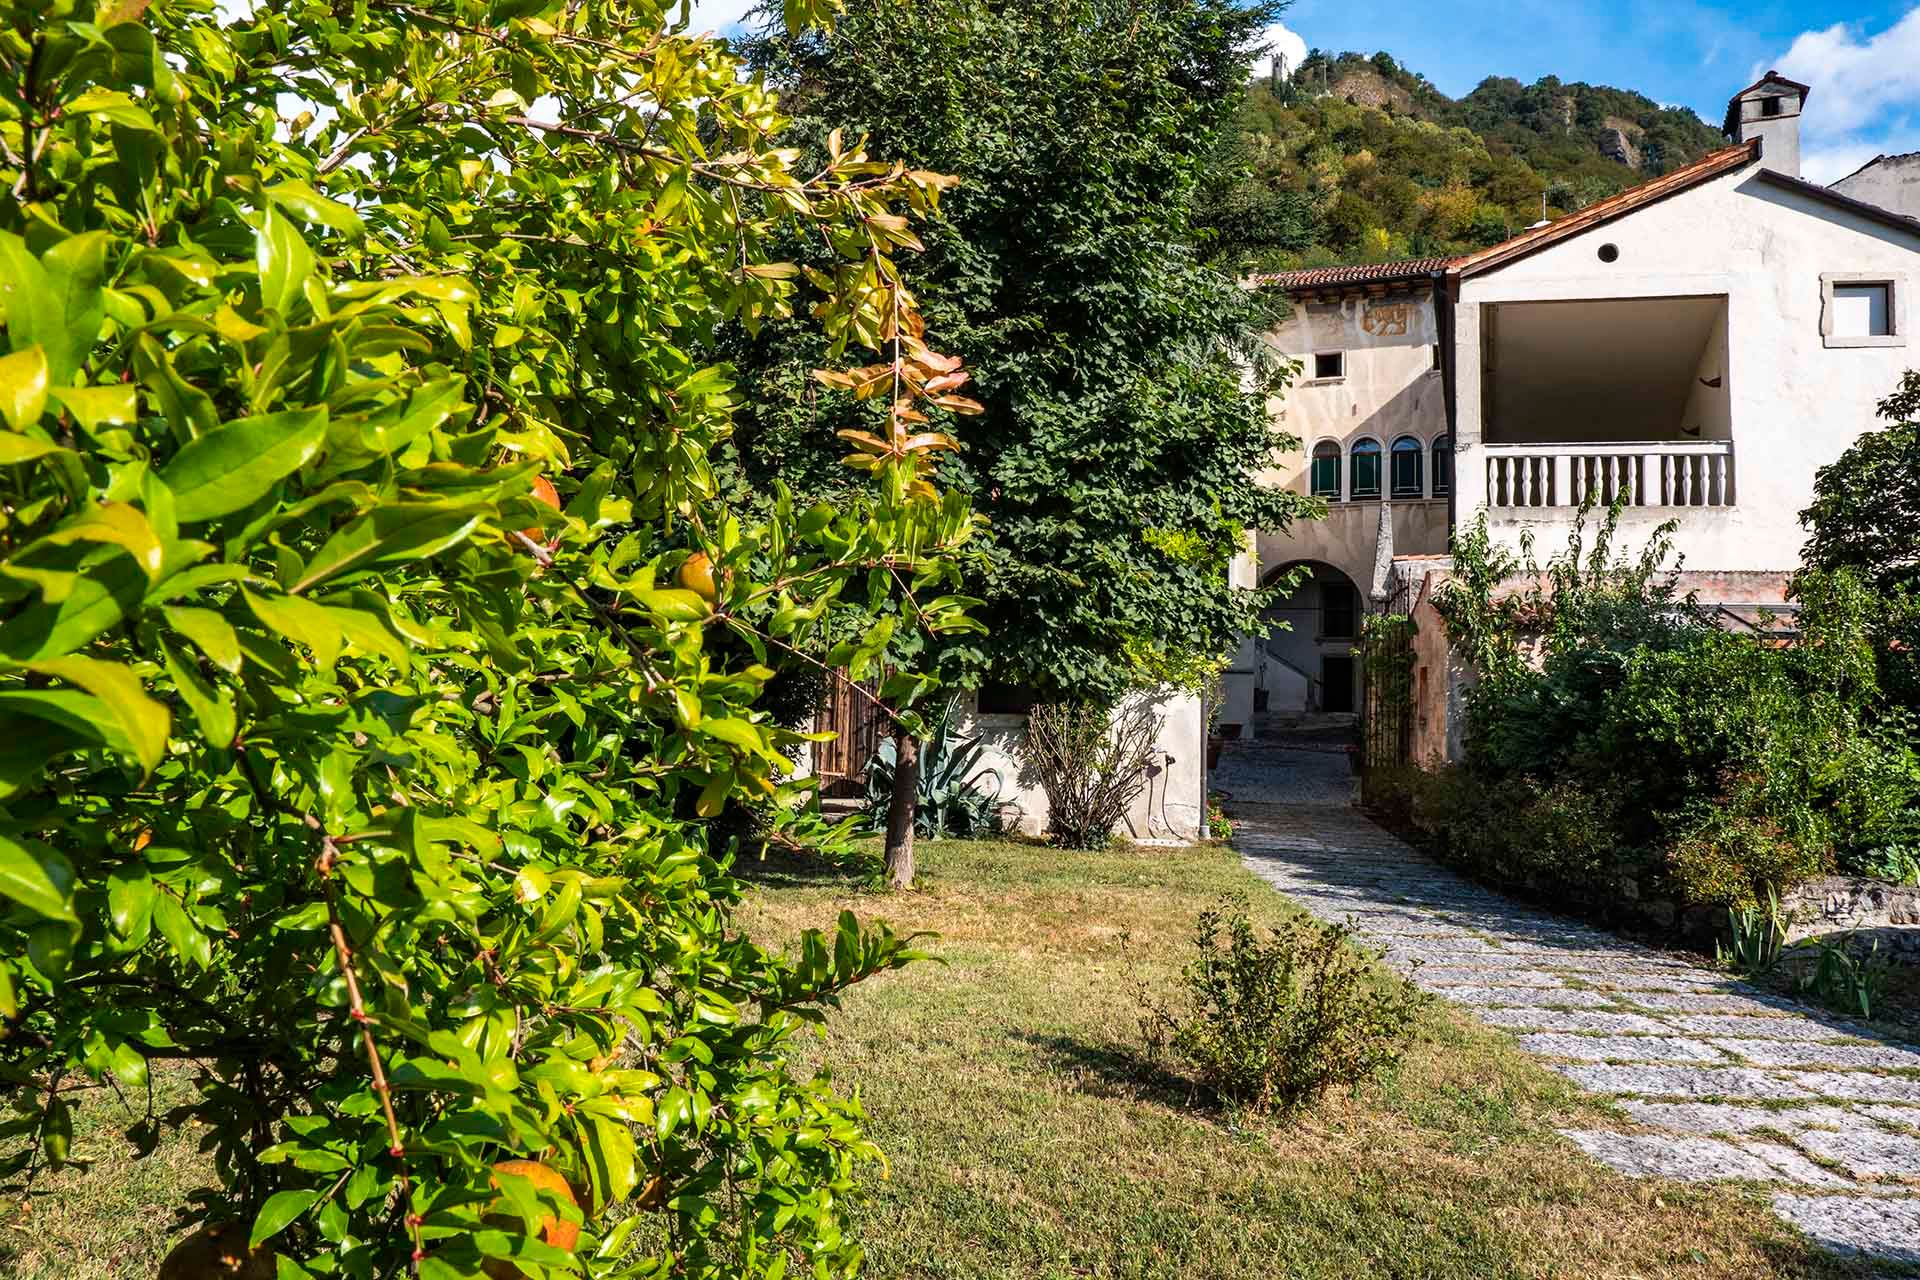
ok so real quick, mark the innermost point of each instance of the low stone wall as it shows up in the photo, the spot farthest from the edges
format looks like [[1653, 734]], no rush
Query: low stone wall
[[1872, 909]]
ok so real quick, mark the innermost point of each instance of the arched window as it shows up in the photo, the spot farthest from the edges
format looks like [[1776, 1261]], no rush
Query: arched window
[[1442, 466], [1324, 480], [1365, 482], [1408, 458]]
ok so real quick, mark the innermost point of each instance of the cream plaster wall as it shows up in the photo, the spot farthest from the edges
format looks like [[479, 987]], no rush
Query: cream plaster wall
[[1793, 403], [1172, 808], [1390, 387]]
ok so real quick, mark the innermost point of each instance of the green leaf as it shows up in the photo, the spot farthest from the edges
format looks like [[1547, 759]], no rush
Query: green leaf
[[117, 107], [139, 719], [308, 205], [14, 448], [300, 621], [211, 632], [281, 1208], [399, 532], [96, 407], [100, 597], [234, 465], [284, 261], [213, 708], [739, 733], [130, 895], [29, 743], [181, 933], [23, 387], [119, 524], [38, 877], [675, 604], [426, 409]]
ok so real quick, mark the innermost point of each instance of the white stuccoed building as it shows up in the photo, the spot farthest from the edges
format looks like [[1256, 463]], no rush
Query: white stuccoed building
[[1699, 345]]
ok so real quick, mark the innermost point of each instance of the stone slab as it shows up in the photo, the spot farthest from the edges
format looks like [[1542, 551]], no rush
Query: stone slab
[[1620, 1048], [1792, 1166], [1434, 975], [1686, 1003], [1877, 1226], [1585, 1021], [1856, 1086], [1721, 1117], [1785, 1053], [1899, 1118], [1867, 1153], [1783, 1027], [1685, 1082], [1687, 1159], [1522, 997]]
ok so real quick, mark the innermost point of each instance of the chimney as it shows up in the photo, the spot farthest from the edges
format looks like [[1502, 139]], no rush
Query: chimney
[[1770, 111]]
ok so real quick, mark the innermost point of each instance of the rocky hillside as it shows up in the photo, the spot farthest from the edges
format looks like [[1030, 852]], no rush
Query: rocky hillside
[[1355, 158]]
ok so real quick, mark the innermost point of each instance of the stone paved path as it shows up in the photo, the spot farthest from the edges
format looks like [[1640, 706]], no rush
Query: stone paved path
[[1718, 1080]]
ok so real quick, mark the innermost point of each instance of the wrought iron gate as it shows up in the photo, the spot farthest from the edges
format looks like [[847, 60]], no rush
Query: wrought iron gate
[[1386, 684]]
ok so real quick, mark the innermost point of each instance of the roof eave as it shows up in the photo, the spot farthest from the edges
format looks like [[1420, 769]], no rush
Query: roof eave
[[1730, 160], [1840, 200]]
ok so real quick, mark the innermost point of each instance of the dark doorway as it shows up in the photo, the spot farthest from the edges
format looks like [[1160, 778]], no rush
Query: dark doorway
[[1336, 682]]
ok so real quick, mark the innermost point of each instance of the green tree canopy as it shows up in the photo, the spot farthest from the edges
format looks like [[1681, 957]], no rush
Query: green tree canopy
[[1866, 504], [1123, 381], [377, 657]]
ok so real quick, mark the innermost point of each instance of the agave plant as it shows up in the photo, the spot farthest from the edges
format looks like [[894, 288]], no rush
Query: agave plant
[[953, 801]]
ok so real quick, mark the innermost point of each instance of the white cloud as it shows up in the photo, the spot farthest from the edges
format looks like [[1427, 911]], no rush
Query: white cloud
[[720, 15], [1283, 42], [1828, 164], [1866, 91]]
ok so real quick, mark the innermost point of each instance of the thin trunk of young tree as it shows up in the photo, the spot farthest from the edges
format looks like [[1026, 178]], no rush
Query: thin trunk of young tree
[[903, 810]]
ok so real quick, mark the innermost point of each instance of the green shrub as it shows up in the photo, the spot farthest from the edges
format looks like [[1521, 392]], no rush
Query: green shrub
[[1894, 863], [1734, 854], [1849, 981], [1273, 1022]]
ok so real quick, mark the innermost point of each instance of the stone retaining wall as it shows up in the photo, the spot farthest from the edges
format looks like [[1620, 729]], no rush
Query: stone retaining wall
[[1875, 909]]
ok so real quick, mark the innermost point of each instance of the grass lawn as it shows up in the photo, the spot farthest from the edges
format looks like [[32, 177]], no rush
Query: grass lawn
[[1027, 1140]]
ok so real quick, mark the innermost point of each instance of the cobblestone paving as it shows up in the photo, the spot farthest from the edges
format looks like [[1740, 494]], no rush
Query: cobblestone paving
[[1717, 1080]]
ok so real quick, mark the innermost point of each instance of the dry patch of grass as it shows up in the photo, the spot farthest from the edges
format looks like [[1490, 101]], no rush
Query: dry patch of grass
[[1029, 1139]]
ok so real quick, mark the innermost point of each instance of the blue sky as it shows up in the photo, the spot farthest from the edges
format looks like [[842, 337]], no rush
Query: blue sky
[[1862, 59]]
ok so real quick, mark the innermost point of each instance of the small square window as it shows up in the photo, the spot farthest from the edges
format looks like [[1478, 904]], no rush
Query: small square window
[[1770, 106], [1329, 364], [1862, 311]]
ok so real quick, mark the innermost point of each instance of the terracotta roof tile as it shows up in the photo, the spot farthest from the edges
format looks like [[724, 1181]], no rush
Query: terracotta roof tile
[[1365, 273]]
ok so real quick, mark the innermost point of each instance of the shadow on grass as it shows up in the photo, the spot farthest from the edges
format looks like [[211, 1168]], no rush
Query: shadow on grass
[[787, 869], [1115, 1071]]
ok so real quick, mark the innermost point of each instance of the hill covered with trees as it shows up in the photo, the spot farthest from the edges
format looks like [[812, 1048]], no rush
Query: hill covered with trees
[[1355, 159]]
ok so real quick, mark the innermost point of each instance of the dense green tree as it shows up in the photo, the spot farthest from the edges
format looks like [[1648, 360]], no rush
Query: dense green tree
[[378, 660], [1866, 504], [1123, 380]]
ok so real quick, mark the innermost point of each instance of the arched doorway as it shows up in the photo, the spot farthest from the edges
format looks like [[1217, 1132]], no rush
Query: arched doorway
[[1307, 662]]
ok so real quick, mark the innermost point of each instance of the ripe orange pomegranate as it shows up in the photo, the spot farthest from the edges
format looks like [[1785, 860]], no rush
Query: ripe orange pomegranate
[[218, 1253], [696, 575], [543, 491], [554, 1230]]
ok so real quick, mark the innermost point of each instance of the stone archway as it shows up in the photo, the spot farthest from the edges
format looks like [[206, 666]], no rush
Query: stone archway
[[1307, 663]]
